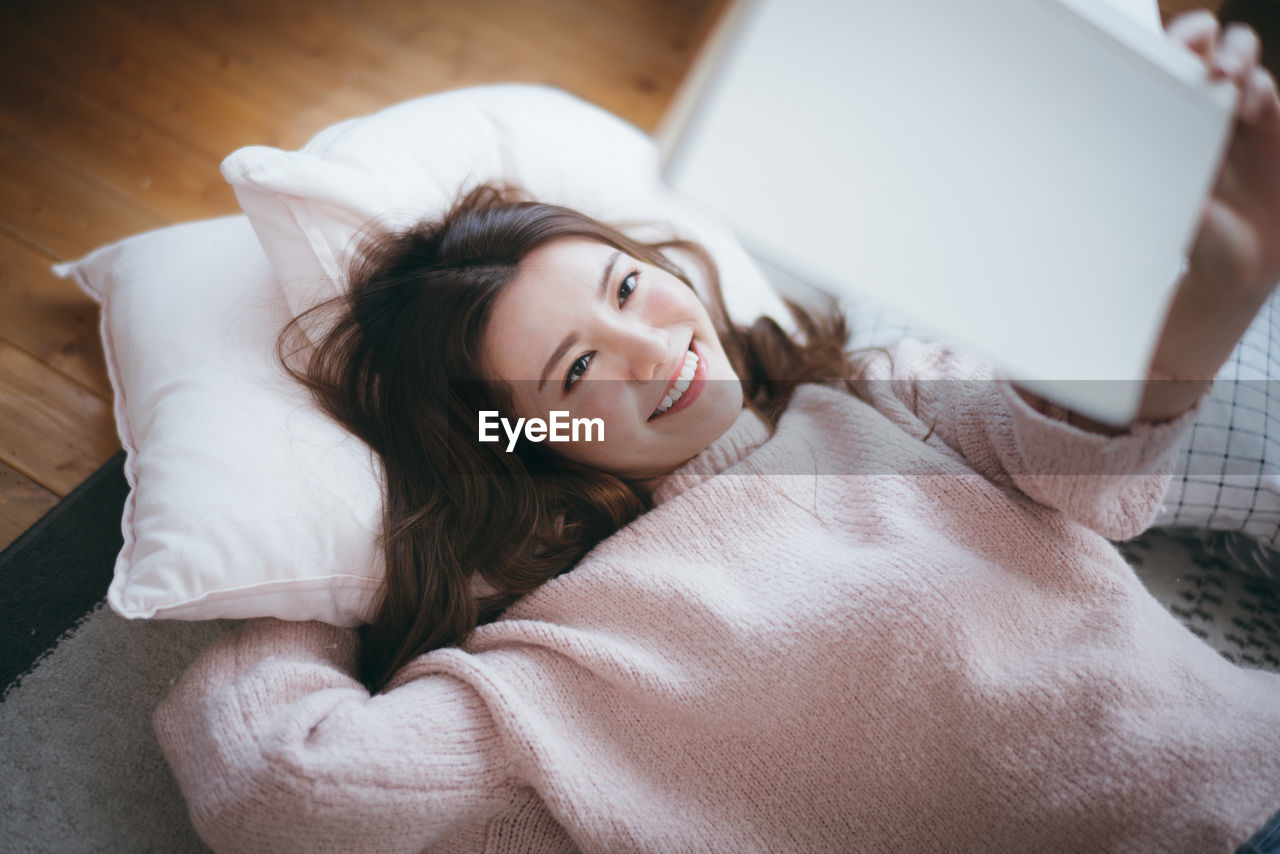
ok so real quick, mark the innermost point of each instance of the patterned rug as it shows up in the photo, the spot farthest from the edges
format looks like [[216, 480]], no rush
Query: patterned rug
[[1235, 612]]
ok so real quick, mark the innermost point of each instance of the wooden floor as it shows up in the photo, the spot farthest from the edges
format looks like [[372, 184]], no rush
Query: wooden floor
[[114, 116]]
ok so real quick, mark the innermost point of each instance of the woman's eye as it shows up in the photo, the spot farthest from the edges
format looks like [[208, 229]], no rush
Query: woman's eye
[[628, 285], [577, 369]]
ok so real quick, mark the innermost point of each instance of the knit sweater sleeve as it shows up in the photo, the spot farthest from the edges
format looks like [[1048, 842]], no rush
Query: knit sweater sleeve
[[1111, 484], [277, 747]]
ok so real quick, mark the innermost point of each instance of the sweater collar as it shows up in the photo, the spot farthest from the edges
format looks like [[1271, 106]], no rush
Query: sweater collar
[[746, 434]]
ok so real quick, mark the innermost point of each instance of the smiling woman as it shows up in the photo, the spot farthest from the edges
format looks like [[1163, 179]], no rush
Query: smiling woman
[[886, 618], [527, 310], [637, 349]]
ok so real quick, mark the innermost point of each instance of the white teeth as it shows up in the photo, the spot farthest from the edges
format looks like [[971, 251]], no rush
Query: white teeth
[[681, 384]]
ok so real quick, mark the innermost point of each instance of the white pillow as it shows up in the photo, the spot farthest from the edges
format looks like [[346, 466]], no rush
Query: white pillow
[[246, 501], [308, 206]]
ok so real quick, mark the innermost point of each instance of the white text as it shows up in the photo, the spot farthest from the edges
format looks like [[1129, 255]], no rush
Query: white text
[[561, 428]]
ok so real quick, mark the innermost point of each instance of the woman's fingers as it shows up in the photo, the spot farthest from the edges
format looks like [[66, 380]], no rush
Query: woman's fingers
[[1231, 54], [1237, 55], [1197, 30], [1237, 58], [1259, 100]]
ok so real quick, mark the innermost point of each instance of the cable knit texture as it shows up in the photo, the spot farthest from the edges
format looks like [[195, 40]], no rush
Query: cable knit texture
[[894, 625]]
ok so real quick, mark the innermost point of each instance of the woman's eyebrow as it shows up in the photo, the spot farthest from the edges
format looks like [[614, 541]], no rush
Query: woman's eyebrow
[[568, 342], [608, 270], [572, 337]]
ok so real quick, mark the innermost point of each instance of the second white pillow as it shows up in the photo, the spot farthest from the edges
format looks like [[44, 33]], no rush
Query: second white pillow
[[413, 159]]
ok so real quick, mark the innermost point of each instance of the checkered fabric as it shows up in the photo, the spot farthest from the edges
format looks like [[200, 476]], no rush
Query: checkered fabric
[[1228, 474]]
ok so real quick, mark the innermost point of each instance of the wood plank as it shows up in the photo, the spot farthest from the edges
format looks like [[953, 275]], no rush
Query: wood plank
[[22, 503], [232, 62], [59, 209], [309, 80], [403, 50], [339, 39], [133, 156], [52, 430], [1170, 9], [254, 52], [597, 36], [50, 318], [122, 74], [302, 101], [589, 49], [392, 51]]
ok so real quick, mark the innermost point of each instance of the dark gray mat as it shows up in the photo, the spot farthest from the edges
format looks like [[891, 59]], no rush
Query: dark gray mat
[[80, 769], [59, 569]]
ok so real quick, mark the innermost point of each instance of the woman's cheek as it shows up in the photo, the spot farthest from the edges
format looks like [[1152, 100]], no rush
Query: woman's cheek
[[612, 411], [665, 299], [605, 448], [604, 403]]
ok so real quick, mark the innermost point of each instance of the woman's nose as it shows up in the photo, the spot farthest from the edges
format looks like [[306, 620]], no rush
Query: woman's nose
[[644, 350]]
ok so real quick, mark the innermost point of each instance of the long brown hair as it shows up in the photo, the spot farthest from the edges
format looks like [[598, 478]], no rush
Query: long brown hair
[[395, 367]]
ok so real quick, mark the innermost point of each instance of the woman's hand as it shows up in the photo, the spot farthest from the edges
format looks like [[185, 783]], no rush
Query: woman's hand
[[1234, 261]]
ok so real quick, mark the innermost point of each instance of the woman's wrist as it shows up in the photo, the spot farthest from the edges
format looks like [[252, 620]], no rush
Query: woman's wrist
[[1165, 397], [1208, 316], [1060, 413]]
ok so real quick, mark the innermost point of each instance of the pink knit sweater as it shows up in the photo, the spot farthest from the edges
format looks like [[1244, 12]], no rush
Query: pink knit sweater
[[841, 638]]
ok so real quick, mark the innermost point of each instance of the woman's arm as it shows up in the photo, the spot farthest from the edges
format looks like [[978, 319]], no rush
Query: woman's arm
[[1111, 483], [277, 747], [1234, 261]]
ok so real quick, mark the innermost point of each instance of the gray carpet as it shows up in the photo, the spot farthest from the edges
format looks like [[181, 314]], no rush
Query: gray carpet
[[80, 769]]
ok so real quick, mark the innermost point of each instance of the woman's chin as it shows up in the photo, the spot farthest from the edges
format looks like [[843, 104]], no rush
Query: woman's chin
[[659, 445]]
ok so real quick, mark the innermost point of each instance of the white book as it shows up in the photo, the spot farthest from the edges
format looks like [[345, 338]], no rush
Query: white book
[[1024, 176]]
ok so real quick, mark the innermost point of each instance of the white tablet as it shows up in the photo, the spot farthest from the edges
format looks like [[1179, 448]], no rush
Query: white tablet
[[1023, 176]]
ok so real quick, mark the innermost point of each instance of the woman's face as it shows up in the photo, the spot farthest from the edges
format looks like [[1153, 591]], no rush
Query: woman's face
[[590, 331]]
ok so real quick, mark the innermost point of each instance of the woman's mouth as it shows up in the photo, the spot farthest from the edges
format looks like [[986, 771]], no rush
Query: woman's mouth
[[686, 386]]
